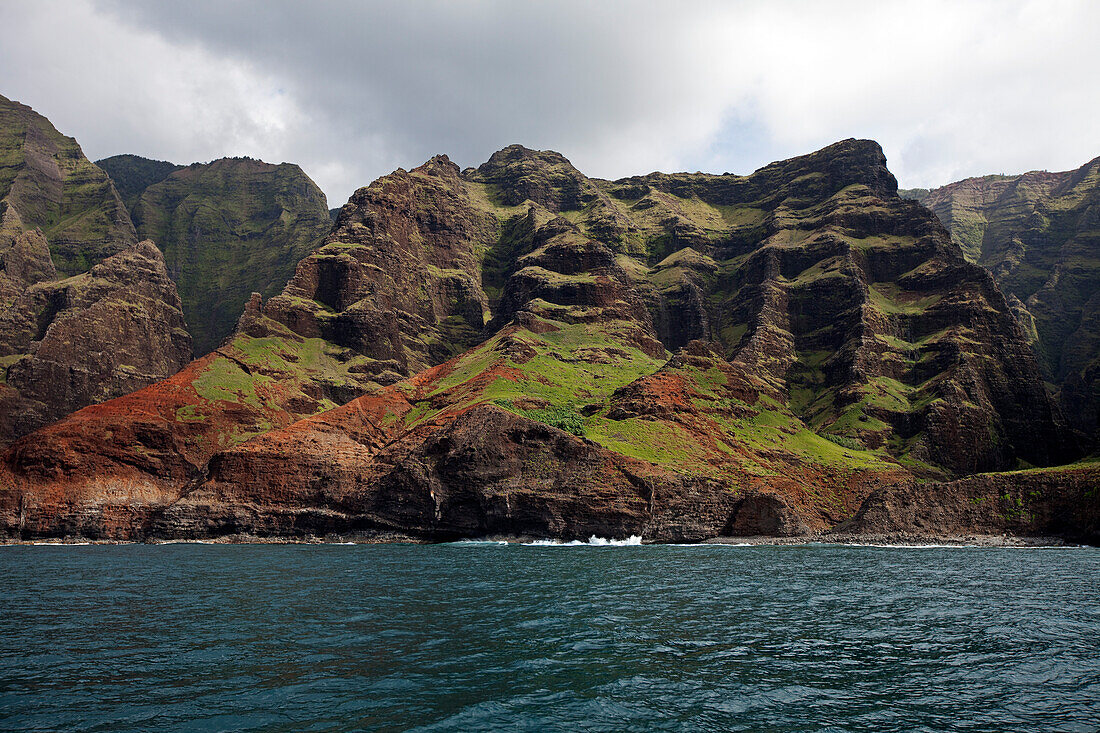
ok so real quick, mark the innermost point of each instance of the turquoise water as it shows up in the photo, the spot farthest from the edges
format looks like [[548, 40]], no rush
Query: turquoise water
[[489, 637]]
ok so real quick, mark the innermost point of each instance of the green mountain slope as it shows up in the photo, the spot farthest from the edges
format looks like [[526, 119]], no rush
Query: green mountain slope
[[132, 174], [46, 178], [228, 229], [521, 349], [1039, 234]]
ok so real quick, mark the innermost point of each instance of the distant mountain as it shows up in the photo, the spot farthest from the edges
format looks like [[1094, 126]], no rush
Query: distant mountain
[[1039, 234], [132, 174], [519, 349], [87, 312], [227, 229]]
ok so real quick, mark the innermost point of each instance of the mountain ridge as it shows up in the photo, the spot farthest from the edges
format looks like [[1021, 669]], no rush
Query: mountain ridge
[[87, 312], [521, 349], [1039, 235]]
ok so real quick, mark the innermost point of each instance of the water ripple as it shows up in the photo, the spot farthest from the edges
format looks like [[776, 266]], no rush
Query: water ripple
[[503, 637]]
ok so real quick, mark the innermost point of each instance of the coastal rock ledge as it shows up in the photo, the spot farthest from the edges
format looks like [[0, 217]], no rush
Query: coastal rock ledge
[[492, 473]]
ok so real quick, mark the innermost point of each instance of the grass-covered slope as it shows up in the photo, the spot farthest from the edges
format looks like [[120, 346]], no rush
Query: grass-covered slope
[[230, 228], [816, 278], [165, 433], [1039, 234]]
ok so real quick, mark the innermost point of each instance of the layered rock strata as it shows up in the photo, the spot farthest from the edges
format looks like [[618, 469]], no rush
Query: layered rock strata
[[528, 351], [1039, 235]]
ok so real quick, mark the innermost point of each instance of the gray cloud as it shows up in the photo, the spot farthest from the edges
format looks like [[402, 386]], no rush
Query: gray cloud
[[351, 90]]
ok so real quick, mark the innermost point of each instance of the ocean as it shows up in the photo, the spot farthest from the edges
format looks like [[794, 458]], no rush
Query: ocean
[[486, 636]]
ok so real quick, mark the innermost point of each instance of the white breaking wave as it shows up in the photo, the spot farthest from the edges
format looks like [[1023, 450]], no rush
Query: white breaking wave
[[593, 541]]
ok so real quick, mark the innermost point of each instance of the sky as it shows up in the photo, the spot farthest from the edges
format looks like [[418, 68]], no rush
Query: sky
[[352, 90]]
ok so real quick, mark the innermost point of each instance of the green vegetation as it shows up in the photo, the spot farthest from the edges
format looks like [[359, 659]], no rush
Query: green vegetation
[[132, 174], [228, 229], [83, 218], [561, 418]]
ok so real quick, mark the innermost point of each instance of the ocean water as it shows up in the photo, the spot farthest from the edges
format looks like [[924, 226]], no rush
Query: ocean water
[[468, 637]]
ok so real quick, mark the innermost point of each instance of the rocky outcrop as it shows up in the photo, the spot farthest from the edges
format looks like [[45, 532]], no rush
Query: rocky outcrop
[[74, 342], [399, 278], [1039, 235], [228, 228], [1062, 502], [343, 326], [87, 313], [855, 306]]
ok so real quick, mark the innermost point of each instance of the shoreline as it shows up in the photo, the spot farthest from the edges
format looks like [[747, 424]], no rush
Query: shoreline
[[820, 539]]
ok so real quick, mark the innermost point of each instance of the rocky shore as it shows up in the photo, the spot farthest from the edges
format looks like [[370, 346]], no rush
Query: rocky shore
[[837, 539]]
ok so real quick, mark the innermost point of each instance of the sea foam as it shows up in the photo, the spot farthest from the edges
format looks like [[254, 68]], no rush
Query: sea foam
[[593, 541]]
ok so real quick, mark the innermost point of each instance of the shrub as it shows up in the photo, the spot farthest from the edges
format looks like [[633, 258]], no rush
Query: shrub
[[845, 442]]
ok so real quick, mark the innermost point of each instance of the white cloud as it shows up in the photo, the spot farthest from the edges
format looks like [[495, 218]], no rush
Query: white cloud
[[351, 90]]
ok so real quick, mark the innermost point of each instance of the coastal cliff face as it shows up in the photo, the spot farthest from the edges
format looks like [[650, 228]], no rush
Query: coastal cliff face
[[87, 312], [519, 349], [1056, 502], [1039, 235]]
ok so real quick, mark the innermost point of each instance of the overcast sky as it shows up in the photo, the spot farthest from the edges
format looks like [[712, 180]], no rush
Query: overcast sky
[[352, 90]]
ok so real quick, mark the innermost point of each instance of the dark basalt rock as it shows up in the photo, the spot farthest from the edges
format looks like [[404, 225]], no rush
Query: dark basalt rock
[[1061, 502], [399, 277], [1039, 235], [87, 312], [89, 338]]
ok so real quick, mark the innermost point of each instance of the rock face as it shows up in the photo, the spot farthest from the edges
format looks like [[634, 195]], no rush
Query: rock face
[[399, 278], [87, 312], [857, 308], [523, 350], [227, 228], [46, 178], [1039, 234], [1060, 502], [87, 338]]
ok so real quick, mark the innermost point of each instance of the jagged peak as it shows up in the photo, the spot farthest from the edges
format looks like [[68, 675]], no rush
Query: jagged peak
[[850, 161], [543, 176], [438, 165]]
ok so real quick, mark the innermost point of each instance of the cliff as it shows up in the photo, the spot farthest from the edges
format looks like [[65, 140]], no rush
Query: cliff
[[520, 349], [46, 178], [87, 312], [229, 228], [1039, 235], [1055, 502]]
